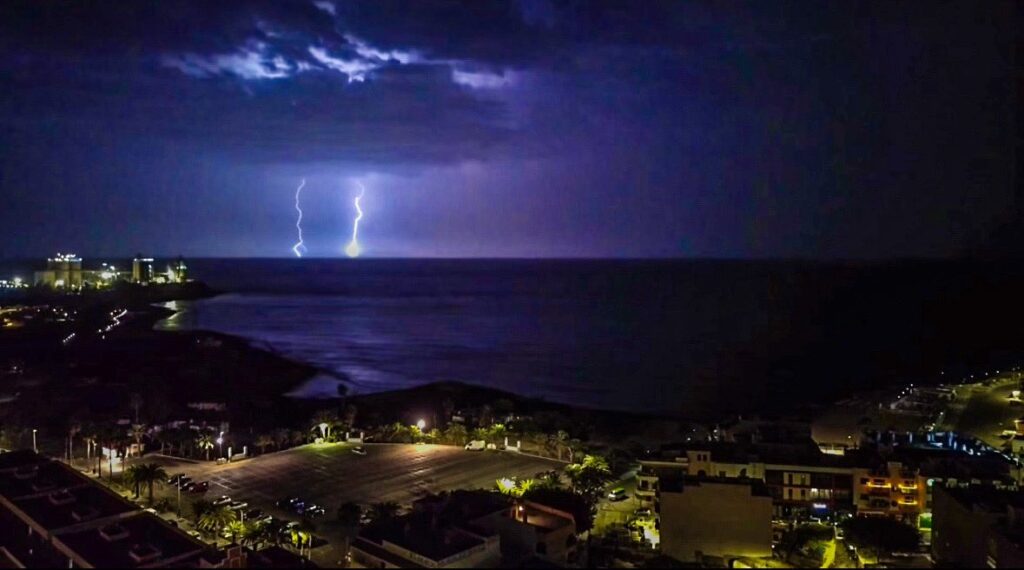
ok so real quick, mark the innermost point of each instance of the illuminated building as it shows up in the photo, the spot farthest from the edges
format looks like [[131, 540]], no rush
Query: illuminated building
[[891, 489], [63, 271], [799, 478], [177, 271], [714, 516], [142, 269]]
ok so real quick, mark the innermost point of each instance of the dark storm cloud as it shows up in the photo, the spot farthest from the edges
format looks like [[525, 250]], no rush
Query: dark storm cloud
[[647, 128]]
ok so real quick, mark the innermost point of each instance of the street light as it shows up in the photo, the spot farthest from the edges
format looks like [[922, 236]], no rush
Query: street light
[[220, 444], [34, 447], [421, 424]]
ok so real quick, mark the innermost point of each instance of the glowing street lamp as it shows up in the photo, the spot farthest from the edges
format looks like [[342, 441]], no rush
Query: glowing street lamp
[[34, 447], [220, 443], [421, 424]]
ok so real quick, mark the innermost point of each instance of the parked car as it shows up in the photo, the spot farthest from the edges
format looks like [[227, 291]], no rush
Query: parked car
[[289, 502], [617, 494], [476, 445], [358, 450], [313, 510], [184, 482], [237, 505], [642, 513], [199, 487], [222, 500], [175, 478]]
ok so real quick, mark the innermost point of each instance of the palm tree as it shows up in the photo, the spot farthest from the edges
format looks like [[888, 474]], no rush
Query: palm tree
[[136, 404], [73, 429], [130, 478], [254, 534], [199, 508], [302, 535], [275, 530], [216, 519], [263, 442], [349, 515], [138, 431], [324, 420], [146, 474], [235, 528], [205, 442]]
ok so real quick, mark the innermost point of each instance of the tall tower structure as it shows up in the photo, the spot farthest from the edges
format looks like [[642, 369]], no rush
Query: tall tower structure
[[142, 269]]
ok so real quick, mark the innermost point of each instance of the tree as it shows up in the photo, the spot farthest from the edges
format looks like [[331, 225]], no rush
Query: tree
[[881, 536], [263, 442], [302, 535], [515, 487], [589, 476], [551, 479], [132, 480], [324, 422], [456, 434], [138, 432], [349, 515], [216, 519], [582, 509], [146, 474], [235, 528], [199, 508], [254, 534], [349, 417], [205, 442], [496, 434]]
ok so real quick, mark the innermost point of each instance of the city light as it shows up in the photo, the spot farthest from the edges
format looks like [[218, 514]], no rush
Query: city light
[[422, 424]]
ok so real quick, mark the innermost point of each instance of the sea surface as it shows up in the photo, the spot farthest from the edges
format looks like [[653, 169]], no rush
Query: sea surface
[[690, 338]]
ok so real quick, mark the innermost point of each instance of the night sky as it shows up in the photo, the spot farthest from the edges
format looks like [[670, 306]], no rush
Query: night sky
[[529, 129]]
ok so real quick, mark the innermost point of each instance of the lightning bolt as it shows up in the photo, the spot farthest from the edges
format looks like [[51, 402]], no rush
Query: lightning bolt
[[299, 247], [352, 249]]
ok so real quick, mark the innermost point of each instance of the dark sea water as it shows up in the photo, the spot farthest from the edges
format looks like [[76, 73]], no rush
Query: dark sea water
[[698, 338]]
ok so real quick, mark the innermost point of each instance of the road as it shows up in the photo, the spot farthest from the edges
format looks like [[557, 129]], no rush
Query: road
[[985, 411]]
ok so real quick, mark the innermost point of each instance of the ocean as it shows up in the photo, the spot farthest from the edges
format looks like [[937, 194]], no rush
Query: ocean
[[686, 338]]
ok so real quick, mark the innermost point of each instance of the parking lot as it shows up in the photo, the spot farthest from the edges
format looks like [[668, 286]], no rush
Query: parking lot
[[330, 474]]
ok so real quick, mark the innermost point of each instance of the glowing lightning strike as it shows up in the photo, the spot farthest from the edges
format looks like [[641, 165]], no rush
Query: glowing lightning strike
[[299, 247], [352, 249]]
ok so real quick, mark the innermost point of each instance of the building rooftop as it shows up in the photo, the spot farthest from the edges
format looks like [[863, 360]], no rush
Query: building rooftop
[[141, 539], [462, 506], [678, 484], [985, 498], [544, 521], [796, 453], [423, 533], [84, 520], [67, 507]]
